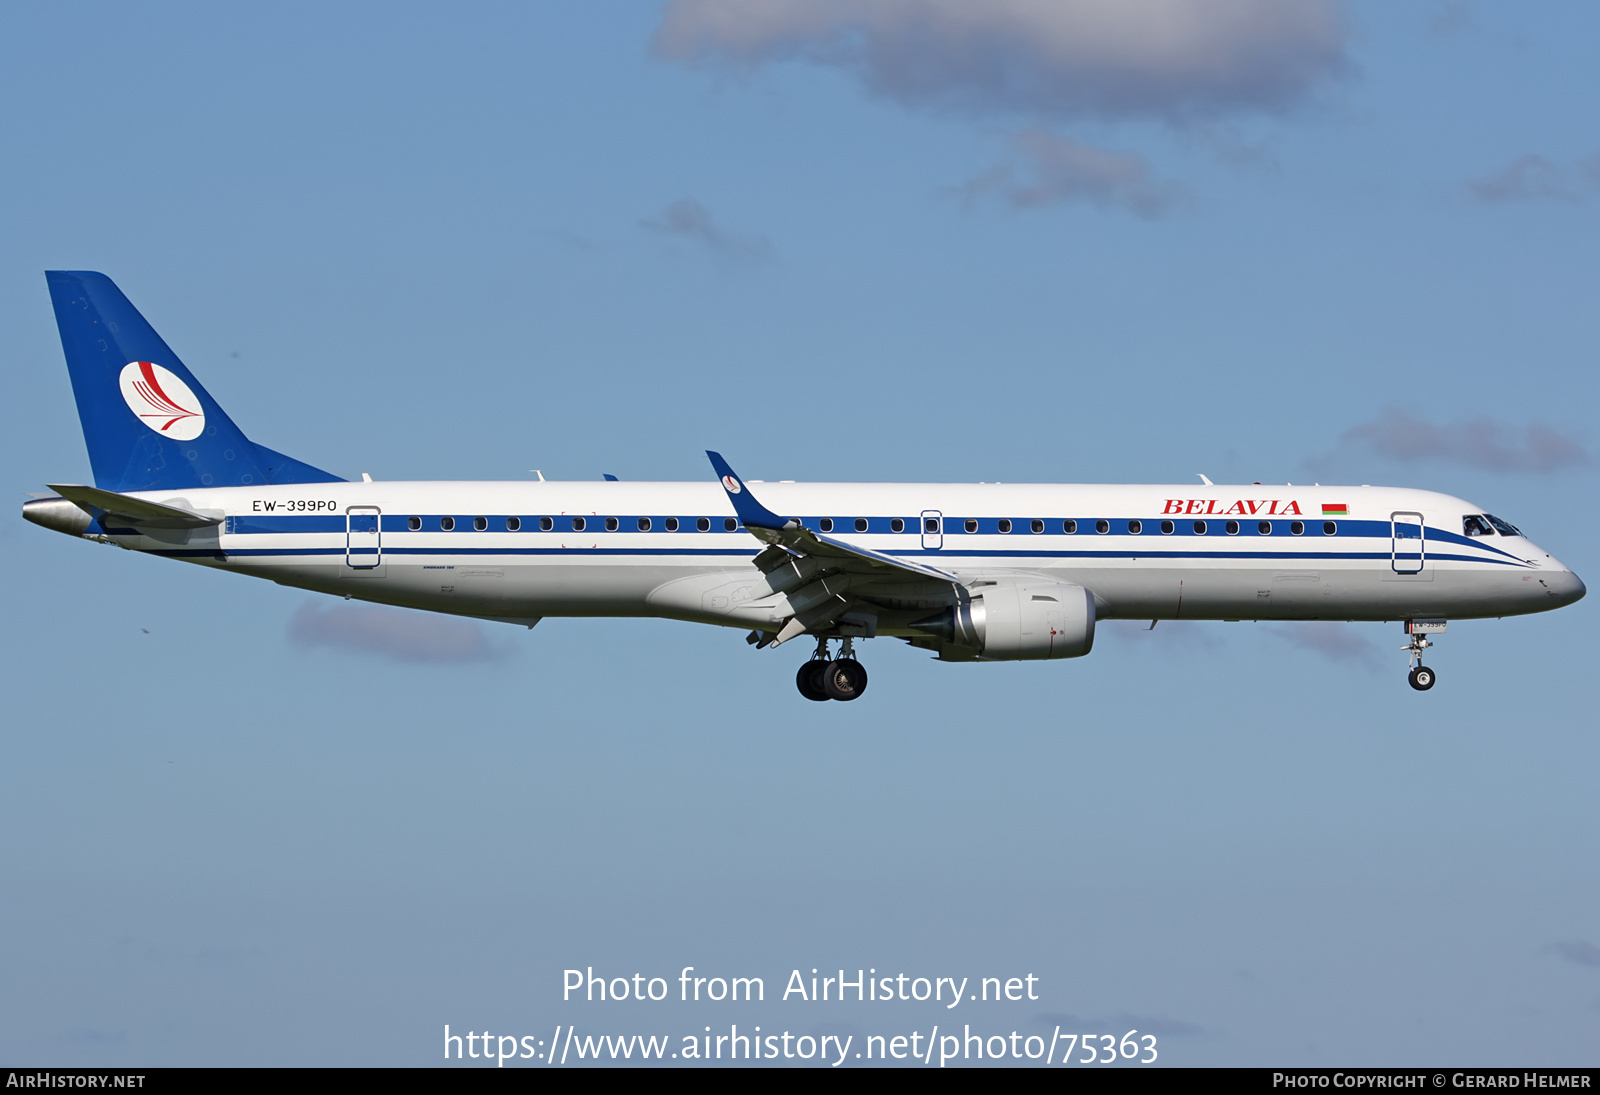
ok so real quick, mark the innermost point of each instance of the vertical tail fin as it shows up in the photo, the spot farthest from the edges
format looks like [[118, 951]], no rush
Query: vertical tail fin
[[148, 423]]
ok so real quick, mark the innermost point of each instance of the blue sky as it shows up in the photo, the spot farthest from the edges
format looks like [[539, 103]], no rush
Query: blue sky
[[882, 240]]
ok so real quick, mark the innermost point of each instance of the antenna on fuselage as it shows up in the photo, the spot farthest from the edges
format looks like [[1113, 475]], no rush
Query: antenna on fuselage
[[1204, 480]]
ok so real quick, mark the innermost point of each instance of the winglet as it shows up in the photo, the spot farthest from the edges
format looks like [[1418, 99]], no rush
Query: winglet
[[751, 512]]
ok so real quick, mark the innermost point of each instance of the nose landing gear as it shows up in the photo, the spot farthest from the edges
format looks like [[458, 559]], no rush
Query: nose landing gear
[[825, 678], [1421, 677]]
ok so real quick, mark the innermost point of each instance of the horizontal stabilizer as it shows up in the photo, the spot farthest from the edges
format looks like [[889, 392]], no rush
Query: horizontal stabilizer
[[137, 510]]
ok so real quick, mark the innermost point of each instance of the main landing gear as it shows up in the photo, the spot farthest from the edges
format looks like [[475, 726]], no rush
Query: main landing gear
[[825, 678], [1421, 677]]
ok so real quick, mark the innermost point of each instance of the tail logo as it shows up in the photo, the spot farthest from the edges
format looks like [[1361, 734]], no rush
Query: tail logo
[[162, 401], [731, 483]]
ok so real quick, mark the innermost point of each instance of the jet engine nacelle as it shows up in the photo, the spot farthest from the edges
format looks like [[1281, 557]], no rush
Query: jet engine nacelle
[[1030, 622]]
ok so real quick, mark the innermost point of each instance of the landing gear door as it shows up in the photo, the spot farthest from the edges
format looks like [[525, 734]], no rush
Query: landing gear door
[[363, 537], [1408, 550], [932, 530]]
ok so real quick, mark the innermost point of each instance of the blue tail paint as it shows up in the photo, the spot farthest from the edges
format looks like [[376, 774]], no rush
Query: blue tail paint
[[148, 423], [751, 512]]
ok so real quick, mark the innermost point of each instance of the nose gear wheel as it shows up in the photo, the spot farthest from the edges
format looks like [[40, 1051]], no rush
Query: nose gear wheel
[[1421, 677]]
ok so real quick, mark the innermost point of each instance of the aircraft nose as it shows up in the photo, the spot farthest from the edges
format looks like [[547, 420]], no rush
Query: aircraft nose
[[1563, 586]]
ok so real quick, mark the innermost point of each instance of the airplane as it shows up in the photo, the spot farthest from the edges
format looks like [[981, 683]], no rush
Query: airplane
[[971, 572]]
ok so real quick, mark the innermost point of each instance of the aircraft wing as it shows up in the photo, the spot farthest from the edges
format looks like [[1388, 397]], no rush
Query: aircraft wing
[[803, 541], [789, 534]]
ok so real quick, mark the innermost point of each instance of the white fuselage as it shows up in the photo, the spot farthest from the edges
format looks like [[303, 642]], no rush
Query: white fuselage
[[515, 551]]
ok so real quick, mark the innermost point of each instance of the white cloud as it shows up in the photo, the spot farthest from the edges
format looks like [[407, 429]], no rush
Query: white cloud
[[1335, 641], [1478, 443], [688, 219], [1534, 178], [1176, 60], [397, 633], [1046, 169], [1577, 951]]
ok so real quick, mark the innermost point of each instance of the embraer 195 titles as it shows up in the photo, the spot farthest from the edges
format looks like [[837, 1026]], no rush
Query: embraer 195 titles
[[984, 572]]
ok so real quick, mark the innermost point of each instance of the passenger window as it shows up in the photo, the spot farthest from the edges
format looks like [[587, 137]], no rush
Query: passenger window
[[730, 524], [447, 523], [414, 524], [1069, 527], [931, 525], [1167, 528], [897, 525], [1232, 527], [970, 525], [1330, 528], [1265, 528], [611, 524], [644, 524], [1005, 524], [703, 524], [1136, 527], [861, 524], [579, 524], [480, 524], [1036, 526], [1199, 528], [1102, 527], [826, 524], [672, 524], [1297, 527], [513, 524], [546, 524]]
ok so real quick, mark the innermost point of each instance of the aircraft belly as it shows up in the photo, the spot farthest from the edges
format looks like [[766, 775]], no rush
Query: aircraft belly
[[513, 589]]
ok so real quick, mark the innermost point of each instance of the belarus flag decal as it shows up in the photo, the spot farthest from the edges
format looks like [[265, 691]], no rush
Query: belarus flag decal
[[1334, 510]]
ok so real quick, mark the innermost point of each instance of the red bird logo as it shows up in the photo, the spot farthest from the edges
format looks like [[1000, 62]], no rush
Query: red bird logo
[[162, 401]]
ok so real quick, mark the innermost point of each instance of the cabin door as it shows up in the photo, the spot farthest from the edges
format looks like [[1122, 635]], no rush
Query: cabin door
[[363, 537], [1408, 552]]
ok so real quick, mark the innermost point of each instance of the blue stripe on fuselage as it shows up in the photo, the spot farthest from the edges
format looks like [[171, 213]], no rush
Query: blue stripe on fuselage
[[336, 551]]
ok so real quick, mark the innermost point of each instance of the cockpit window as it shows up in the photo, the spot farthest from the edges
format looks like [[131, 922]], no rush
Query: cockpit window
[[1476, 525], [1501, 527]]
